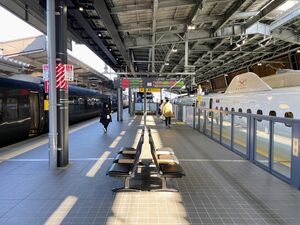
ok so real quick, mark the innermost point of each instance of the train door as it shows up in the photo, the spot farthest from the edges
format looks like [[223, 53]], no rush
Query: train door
[[210, 103], [34, 112]]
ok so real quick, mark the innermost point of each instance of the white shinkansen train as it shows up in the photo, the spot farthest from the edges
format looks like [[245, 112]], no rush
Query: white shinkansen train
[[275, 95]]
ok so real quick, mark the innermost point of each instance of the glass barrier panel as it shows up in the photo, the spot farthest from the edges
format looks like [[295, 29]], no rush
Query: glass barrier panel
[[189, 115], [262, 136], [208, 123], [196, 119], [240, 134], [216, 125], [201, 120], [282, 149], [226, 129]]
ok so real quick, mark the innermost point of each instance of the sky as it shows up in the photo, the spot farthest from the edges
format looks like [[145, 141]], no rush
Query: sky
[[8, 31]]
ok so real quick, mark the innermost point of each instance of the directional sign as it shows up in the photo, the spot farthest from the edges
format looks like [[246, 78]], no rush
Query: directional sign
[[150, 90]]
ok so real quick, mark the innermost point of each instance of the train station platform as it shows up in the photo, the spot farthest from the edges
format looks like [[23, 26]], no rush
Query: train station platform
[[219, 187]]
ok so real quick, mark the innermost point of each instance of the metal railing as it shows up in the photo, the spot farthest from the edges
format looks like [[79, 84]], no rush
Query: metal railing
[[270, 142]]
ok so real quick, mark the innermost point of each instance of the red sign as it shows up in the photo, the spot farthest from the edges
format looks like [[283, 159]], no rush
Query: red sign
[[46, 86]]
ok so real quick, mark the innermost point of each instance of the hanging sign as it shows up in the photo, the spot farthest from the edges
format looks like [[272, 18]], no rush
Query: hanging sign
[[69, 72], [45, 72]]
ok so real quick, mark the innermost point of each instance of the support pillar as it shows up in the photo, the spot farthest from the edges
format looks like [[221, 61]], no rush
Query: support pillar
[[130, 101], [145, 107], [120, 105], [62, 94], [52, 84]]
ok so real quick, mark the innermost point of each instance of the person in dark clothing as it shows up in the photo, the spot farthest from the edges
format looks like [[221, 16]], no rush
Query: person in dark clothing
[[105, 116]]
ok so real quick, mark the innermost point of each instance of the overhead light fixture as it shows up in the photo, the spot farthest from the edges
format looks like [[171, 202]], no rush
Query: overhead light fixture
[[191, 27], [207, 81], [259, 64], [174, 50], [298, 51], [167, 63], [100, 35], [80, 8], [226, 75], [109, 49]]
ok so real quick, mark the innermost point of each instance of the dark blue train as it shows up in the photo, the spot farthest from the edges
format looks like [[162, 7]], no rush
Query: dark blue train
[[23, 114]]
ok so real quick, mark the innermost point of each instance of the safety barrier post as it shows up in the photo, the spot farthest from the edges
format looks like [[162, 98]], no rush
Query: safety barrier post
[[252, 131], [194, 116], [271, 143], [221, 126], [204, 122], [232, 132], [295, 166], [211, 124]]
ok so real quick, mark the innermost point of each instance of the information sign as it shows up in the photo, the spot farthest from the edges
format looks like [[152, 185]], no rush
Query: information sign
[[150, 90], [131, 83], [168, 84]]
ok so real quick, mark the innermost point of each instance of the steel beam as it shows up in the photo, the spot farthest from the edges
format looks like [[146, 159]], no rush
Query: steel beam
[[148, 6], [229, 13], [265, 11], [287, 18], [155, 8], [102, 10]]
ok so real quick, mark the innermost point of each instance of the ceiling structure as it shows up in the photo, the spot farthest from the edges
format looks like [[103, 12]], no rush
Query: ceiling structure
[[207, 38]]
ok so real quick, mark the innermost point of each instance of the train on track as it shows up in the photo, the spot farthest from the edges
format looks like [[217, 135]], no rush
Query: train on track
[[23, 108]]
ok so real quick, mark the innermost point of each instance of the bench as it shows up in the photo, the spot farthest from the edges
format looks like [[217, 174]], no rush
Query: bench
[[125, 166], [166, 165]]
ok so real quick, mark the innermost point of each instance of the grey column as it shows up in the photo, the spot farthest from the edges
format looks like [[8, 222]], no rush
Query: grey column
[[145, 108], [120, 105], [130, 101], [62, 94], [52, 84]]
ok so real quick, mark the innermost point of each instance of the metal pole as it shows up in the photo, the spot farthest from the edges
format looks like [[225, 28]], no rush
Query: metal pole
[[119, 112], [145, 107], [186, 56], [52, 84], [130, 101], [62, 94]]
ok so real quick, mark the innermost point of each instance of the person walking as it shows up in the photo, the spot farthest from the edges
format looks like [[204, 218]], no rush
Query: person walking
[[160, 109], [105, 116], [167, 112]]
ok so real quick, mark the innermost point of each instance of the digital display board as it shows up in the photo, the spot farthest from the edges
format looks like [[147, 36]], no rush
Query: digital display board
[[132, 83], [168, 84]]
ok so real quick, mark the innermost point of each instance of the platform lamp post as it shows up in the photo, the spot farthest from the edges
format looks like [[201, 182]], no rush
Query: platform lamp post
[[52, 84]]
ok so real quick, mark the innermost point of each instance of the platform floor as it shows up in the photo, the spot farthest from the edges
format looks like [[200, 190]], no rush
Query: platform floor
[[219, 187]]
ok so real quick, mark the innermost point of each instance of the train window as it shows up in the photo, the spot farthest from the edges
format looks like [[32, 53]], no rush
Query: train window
[[249, 111], [210, 103], [226, 109], [221, 108], [240, 110], [217, 108], [288, 115], [272, 113], [232, 110], [11, 111], [1, 110], [259, 112]]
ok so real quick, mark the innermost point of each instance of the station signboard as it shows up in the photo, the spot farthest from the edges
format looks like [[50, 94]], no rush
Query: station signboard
[[168, 84], [131, 83]]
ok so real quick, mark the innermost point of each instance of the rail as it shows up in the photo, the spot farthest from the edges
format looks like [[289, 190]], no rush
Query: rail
[[270, 142]]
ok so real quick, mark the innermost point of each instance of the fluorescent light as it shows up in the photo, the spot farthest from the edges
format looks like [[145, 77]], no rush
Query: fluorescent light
[[109, 49], [286, 6], [174, 50], [298, 51], [259, 64], [167, 63], [191, 27], [80, 8], [226, 75], [100, 35]]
